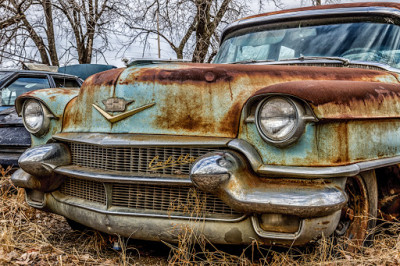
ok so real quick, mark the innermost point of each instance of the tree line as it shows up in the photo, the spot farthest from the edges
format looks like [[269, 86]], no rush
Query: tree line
[[48, 31]]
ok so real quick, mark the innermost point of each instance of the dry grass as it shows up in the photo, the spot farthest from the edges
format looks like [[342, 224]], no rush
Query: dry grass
[[29, 236]]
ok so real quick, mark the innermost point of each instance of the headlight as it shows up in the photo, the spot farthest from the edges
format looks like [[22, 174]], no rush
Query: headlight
[[279, 120], [35, 117]]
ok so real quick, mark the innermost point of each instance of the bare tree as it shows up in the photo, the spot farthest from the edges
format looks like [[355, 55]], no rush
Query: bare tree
[[87, 20], [190, 27], [54, 29]]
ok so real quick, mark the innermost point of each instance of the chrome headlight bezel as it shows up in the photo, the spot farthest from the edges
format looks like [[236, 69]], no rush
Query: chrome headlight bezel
[[295, 133], [44, 127]]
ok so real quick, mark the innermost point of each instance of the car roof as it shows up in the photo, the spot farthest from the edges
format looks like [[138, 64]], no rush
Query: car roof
[[347, 5], [349, 9], [37, 72]]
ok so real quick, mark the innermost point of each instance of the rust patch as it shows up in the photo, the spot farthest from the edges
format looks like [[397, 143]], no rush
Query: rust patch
[[197, 73], [106, 78], [234, 236], [335, 91], [190, 73], [77, 109], [77, 118]]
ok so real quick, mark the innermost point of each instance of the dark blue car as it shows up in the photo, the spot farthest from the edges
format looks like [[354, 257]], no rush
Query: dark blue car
[[14, 138]]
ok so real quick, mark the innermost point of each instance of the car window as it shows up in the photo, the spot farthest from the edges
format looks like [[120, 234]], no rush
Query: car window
[[66, 82], [20, 86]]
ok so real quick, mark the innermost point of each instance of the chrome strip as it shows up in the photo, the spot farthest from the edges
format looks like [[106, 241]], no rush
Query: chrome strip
[[128, 140], [307, 172], [95, 175], [146, 214], [322, 61], [373, 10]]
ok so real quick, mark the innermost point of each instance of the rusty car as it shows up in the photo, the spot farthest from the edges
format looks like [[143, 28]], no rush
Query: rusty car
[[290, 134]]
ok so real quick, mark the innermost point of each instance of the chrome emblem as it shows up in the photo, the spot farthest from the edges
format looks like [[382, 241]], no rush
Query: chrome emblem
[[115, 104], [156, 163], [119, 105]]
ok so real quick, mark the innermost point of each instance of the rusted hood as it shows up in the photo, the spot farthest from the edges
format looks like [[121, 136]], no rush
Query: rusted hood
[[207, 99]]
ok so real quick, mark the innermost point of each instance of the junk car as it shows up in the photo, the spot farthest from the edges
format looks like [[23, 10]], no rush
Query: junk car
[[290, 134], [14, 138]]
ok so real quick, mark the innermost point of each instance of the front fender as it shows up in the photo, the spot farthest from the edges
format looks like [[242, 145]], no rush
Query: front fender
[[54, 99]]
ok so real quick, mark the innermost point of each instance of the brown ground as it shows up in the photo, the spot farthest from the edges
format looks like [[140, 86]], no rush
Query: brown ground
[[33, 237]]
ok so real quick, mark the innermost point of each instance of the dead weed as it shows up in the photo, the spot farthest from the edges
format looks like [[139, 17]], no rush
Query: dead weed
[[29, 236]]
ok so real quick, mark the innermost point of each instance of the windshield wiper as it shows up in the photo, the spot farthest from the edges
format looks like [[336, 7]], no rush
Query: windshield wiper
[[251, 61], [333, 58]]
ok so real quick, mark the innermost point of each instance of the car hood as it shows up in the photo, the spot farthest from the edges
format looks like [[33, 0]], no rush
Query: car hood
[[207, 99]]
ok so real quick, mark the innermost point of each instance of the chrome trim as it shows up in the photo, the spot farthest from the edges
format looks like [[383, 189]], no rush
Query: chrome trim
[[47, 115], [226, 175], [40, 161], [322, 61], [276, 235], [306, 172], [149, 61], [307, 14], [127, 140], [144, 214], [95, 175]]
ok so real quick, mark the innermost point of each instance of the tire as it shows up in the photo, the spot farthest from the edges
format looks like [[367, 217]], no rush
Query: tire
[[358, 219]]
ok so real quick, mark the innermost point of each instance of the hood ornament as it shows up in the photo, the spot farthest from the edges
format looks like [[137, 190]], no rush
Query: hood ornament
[[115, 104]]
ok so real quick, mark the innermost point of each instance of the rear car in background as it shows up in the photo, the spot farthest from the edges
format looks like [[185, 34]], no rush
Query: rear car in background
[[292, 133], [14, 138]]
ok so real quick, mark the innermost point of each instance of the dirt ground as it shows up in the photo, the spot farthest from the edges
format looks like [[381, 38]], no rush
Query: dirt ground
[[33, 237]]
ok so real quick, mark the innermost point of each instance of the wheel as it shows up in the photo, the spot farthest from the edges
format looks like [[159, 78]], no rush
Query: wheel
[[357, 222], [76, 226]]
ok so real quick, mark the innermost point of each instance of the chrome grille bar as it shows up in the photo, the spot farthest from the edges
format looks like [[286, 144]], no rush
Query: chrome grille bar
[[161, 161], [84, 189], [184, 201], [171, 199]]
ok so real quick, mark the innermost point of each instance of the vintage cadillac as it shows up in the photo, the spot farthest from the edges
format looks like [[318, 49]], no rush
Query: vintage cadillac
[[292, 133]]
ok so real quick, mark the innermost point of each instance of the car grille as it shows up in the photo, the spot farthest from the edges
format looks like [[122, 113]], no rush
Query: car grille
[[137, 161], [84, 189], [184, 201]]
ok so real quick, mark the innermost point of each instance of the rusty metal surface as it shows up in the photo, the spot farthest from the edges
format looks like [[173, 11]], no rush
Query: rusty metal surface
[[54, 99], [332, 99], [321, 7], [190, 99]]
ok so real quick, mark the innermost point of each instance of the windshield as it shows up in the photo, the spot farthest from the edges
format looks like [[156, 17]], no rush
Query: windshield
[[362, 41]]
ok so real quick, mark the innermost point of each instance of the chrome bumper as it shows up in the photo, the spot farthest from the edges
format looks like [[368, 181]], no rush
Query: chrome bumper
[[244, 231], [225, 174]]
